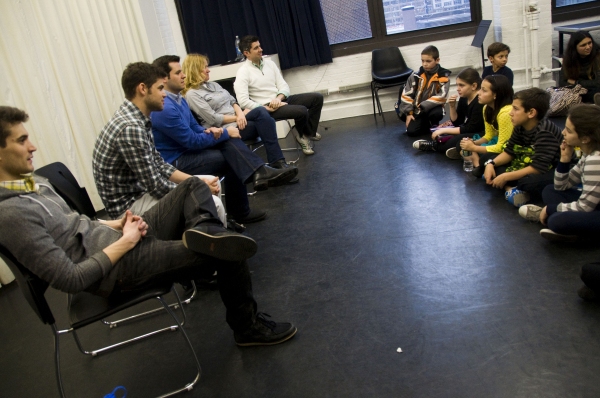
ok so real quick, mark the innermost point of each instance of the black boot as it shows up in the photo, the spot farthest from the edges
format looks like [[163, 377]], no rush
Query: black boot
[[267, 176], [282, 164]]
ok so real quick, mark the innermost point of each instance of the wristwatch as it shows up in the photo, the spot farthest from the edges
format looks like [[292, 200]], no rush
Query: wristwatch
[[489, 161]]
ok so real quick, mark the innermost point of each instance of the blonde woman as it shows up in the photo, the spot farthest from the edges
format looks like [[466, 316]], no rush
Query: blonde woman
[[216, 107]]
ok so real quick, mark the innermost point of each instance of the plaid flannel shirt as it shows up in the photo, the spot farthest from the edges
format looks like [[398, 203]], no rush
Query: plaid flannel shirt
[[126, 164]]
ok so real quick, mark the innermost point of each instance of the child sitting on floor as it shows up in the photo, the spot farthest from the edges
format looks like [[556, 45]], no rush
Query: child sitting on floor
[[421, 104], [496, 95], [569, 212], [465, 112], [527, 163]]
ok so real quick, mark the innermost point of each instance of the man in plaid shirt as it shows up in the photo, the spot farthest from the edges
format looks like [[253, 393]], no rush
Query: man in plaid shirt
[[128, 170]]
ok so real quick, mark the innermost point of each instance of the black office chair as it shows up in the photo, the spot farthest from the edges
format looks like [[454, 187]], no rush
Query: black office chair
[[85, 309], [388, 69], [65, 183]]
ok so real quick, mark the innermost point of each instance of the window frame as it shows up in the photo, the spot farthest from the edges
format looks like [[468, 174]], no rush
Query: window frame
[[574, 12], [382, 39]]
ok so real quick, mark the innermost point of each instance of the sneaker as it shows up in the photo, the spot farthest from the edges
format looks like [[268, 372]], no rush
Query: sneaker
[[597, 99], [530, 212], [452, 153], [304, 144], [265, 332], [215, 241], [316, 137], [425, 145], [516, 197], [554, 237]]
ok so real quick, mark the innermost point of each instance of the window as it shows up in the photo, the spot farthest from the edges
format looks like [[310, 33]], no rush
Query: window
[[568, 10], [355, 26]]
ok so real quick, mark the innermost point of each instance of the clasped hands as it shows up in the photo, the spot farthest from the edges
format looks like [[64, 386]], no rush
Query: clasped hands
[[275, 104]]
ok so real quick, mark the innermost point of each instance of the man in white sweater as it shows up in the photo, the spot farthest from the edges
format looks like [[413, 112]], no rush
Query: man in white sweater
[[259, 83]]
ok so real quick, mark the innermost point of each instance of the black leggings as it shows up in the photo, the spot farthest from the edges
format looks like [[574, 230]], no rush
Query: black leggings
[[570, 222]]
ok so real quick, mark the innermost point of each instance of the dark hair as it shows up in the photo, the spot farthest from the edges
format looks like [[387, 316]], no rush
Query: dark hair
[[246, 42], [496, 48], [139, 72], [534, 98], [470, 76], [584, 118], [10, 116], [504, 96], [432, 51], [572, 60], [163, 63]]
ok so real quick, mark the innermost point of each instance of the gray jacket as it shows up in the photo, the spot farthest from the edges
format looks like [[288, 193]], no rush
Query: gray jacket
[[57, 244]]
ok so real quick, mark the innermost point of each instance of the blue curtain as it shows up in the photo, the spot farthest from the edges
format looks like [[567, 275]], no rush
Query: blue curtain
[[294, 29]]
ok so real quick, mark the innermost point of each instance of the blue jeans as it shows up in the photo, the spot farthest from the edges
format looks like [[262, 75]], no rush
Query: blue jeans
[[161, 256], [261, 124], [570, 222], [230, 159]]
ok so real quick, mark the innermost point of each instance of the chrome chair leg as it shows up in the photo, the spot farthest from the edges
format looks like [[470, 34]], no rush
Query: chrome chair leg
[[114, 324]]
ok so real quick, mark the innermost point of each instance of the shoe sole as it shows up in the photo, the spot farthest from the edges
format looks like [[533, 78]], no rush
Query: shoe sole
[[257, 343], [283, 178], [228, 247], [554, 237]]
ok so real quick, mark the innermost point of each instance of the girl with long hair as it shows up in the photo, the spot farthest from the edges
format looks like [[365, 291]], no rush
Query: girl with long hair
[[466, 117], [496, 96]]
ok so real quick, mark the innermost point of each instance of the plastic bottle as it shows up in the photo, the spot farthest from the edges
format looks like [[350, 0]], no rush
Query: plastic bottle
[[467, 163], [239, 55]]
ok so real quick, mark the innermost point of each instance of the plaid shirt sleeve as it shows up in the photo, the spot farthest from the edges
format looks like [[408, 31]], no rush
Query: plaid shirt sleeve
[[126, 164], [137, 148]]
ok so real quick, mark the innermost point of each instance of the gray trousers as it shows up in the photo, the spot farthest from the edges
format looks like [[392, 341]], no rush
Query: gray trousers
[[161, 256]]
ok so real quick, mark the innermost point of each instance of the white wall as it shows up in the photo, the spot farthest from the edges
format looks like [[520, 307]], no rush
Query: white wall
[[508, 20]]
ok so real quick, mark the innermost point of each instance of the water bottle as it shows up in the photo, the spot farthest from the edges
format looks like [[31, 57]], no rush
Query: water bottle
[[239, 55], [467, 163]]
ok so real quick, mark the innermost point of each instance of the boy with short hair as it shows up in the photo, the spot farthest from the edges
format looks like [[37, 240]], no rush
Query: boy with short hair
[[421, 104], [527, 163], [498, 56]]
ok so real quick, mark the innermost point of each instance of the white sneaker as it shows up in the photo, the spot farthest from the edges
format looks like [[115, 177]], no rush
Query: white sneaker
[[317, 137], [530, 212], [554, 237], [304, 144]]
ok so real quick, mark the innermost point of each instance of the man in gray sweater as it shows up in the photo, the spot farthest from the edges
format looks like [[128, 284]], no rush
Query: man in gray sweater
[[178, 239]]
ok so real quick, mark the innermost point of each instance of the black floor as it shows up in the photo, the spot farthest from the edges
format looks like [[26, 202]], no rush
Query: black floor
[[378, 247]]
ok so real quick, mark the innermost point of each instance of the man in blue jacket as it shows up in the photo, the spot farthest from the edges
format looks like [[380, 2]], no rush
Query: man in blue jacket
[[192, 149]]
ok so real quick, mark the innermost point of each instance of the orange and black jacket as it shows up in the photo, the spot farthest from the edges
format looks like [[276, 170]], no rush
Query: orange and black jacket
[[421, 94]]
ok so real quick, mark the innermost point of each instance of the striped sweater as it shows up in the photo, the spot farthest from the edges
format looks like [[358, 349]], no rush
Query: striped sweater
[[586, 172], [545, 139]]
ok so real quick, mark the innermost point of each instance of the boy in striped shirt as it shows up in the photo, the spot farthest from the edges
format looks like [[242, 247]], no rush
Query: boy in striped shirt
[[527, 162]]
